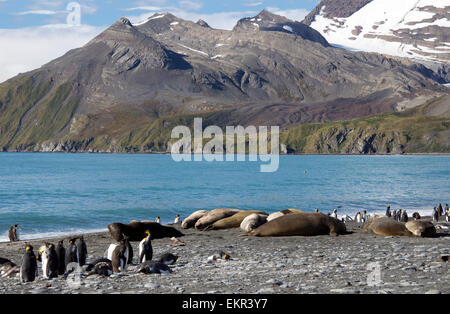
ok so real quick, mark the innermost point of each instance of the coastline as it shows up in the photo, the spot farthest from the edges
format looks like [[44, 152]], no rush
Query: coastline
[[168, 153], [62, 234], [285, 265]]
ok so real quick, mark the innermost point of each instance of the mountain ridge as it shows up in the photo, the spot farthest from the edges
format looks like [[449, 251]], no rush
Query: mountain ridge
[[133, 78]]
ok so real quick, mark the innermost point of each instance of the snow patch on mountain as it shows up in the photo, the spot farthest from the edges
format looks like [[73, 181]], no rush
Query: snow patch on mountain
[[408, 28]]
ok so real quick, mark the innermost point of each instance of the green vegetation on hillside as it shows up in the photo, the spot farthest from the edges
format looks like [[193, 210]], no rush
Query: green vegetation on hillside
[[39, 116]]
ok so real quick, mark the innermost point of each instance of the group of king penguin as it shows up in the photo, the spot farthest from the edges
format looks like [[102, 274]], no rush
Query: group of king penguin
[[120, 255], [55, 260]]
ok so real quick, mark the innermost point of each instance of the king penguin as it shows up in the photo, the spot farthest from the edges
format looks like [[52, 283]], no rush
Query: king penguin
[[358, 217], [82, 251], [435, 215], [154, 267], [399, 215], [72, 252], [388, 211], [168, 259], [177, 219], [119, 256], [61, 254], [145, 248], [29, 268], [404, 216], [13, 233], [47, 255]]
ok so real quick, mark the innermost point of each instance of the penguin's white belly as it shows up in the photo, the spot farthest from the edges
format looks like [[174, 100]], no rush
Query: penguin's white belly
[[111, 249], [45, 266], [141, 249]]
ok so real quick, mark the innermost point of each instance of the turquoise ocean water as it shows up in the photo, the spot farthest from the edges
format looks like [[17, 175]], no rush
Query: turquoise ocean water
[[54, 194]]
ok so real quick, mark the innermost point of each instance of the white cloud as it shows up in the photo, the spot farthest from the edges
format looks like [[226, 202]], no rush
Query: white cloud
[[37, 12], [190, 5], [29, 48], [253, 4], [144, 8]]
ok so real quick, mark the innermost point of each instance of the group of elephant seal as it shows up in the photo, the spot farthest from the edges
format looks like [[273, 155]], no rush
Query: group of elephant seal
[[300, 224], [385, 226], [235, 220], [218, 219], [136, 230], [295, 222], [214, 215], [190, 221], [289, 222]]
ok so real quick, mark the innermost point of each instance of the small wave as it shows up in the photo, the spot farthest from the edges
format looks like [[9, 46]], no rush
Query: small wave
[[52, 234]]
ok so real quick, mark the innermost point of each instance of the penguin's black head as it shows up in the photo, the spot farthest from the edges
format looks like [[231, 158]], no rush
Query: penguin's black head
[[72, 241], [28, 248]]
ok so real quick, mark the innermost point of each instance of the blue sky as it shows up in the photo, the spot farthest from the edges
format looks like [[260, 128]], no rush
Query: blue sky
[[35, 32]]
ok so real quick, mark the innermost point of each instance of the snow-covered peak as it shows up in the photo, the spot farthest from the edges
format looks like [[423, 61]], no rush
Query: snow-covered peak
[[408, 28]]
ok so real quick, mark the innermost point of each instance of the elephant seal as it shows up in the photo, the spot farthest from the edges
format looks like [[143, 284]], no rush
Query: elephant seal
[[283, 212], [253, 221], [190, 221], [233, 221], [421, 228], [385, 226], [135, 231], [300, 224], [213, 216]]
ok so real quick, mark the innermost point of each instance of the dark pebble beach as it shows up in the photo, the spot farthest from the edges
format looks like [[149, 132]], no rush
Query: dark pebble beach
[[357, 263]]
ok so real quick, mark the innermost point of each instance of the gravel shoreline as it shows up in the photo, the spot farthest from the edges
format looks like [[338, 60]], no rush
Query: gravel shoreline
[[285, 265]]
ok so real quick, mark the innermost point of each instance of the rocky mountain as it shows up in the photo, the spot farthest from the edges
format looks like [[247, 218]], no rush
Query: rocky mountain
[[418, 29], [127, 88]]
